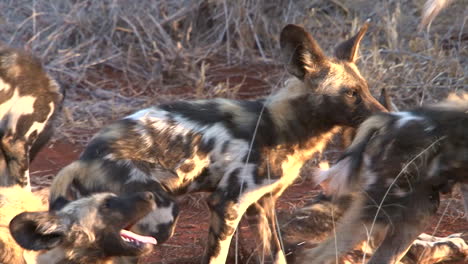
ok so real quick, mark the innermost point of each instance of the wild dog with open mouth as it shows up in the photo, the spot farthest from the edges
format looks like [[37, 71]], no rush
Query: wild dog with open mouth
[[29, 101], [394, 170], [89, 230], [246, 153]]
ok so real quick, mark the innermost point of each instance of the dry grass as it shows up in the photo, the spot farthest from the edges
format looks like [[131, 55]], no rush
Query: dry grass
[[114, 56]]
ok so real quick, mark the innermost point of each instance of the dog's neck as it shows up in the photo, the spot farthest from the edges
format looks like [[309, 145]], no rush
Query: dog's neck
[[299, 115]]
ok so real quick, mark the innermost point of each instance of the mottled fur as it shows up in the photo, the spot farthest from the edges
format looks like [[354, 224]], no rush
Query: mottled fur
[[29, 101], [316, 221], [246, 153], [395, 168], [82, 231]]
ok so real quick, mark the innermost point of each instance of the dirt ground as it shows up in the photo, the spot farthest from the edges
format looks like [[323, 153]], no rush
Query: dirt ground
[[190, 236]]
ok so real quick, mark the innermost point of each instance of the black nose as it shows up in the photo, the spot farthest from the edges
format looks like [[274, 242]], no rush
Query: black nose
[[147, 196]]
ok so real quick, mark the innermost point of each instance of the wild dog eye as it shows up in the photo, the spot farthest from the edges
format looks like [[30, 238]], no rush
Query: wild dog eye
[[351, 93]]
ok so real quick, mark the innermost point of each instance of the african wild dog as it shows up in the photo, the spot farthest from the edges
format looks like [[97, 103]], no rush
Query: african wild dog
[[246, 153], [29, 100], [89, 230], [394, 170], [316, 221]]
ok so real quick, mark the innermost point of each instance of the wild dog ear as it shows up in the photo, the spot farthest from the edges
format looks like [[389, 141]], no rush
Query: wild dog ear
[[348, 49], [37, 230], [301, 53]]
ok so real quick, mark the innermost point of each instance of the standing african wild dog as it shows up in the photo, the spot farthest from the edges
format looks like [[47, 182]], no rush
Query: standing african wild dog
[[394, 170], [88, 230], [29, 99], [246, 153]]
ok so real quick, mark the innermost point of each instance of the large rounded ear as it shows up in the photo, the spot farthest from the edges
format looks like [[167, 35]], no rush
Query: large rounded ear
[[301, 53], [348, 49], [37, 230]]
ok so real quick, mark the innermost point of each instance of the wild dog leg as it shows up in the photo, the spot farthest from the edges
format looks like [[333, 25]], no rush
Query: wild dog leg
[[225, 216], [350, 231], [406, 229], [227, 205], [16, 154], [396, 243], [263, 215]]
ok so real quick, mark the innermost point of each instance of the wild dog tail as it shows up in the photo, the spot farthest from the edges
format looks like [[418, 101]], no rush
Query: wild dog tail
[[66, 183], [344, 177]]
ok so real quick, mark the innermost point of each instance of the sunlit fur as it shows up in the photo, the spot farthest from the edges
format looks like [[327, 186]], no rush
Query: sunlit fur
[[14, 200], [245, 152]]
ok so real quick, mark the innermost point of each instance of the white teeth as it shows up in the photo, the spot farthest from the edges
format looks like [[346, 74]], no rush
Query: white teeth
[[129, 240]]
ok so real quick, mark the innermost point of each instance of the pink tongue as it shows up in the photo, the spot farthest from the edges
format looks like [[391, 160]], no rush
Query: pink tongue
[[143, 239]]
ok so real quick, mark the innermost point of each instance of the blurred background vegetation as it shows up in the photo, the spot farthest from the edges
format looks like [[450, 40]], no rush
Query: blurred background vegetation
[[115, 56]]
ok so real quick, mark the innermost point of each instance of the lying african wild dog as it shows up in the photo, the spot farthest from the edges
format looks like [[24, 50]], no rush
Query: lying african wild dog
[[315, 222], [246, 153], [88, 230], [394, 170], [29, 101]]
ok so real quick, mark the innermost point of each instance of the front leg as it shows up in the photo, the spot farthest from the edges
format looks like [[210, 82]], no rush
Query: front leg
[[16, 153], [398, 240], [262, 215], [225, 216], [395, 244], [227, 205], [350, 230]]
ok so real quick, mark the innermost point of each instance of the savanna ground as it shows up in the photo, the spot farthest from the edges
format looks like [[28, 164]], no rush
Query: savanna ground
[[113, 57]]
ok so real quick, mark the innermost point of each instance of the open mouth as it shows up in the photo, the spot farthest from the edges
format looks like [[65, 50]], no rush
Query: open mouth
[[136, 240]]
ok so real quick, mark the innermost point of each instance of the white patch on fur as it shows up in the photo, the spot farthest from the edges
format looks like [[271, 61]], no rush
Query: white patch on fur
[[137, 175], [17, 106], [28, 185], [39, 126], [4, 86], [337, 177], [26, 102], [405, 117], [159, 121]]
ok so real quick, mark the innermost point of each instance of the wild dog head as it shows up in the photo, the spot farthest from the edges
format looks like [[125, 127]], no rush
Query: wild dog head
[[88, 230], [336, 78], [82, 178]]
